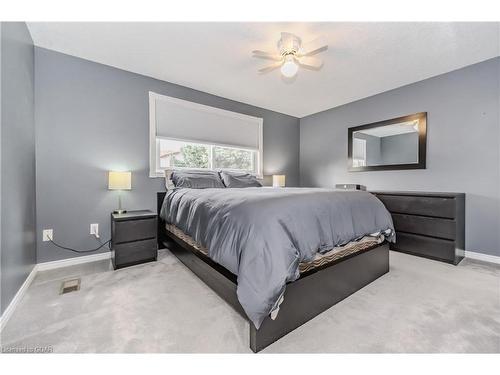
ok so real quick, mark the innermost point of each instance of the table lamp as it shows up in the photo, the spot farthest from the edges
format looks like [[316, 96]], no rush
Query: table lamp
[[278, 180], [119, 181]]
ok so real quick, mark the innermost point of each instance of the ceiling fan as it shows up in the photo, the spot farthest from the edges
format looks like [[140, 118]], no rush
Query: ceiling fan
[[292, 53]]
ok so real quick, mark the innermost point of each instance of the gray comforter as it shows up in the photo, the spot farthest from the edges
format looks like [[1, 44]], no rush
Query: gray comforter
[[262, 234]]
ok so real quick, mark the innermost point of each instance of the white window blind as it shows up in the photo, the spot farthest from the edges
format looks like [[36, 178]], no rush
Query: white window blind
[[180, 119], [176, 119]]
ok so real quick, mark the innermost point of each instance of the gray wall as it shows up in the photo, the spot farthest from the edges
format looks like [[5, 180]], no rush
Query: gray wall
[[17, 159], [92, 118], [463, 143], [399, 149]]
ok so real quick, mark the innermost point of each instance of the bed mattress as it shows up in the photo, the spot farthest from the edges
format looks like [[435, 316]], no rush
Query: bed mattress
[[319, 261]]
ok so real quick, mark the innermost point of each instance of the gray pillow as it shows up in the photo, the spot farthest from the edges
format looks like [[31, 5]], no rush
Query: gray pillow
[[195, 179], [239, 180], [169, 185]]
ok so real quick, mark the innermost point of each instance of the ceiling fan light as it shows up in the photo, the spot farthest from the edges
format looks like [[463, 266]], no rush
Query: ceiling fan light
[[289, 67]]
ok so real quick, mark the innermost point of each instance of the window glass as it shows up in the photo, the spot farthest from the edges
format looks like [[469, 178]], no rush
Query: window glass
[[181, 154]]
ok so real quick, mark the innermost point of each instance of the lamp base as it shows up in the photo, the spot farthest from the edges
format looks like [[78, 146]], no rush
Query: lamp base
[[119, 211]]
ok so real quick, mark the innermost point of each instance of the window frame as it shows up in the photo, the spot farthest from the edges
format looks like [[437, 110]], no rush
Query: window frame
[[154, 150]]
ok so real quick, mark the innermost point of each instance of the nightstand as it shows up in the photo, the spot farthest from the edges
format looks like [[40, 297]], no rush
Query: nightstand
[[133, 238]]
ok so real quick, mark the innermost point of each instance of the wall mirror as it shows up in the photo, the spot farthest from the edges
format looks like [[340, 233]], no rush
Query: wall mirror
[[398, 143]]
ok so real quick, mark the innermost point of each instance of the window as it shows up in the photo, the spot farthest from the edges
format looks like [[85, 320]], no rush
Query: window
[[359, 152], [190, 135], [234, 158], [182, 154]]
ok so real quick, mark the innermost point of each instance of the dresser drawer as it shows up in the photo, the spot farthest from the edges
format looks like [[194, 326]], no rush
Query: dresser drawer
[[425, 246], [426, 206], [134, 252], [428, 226], [133, 230]]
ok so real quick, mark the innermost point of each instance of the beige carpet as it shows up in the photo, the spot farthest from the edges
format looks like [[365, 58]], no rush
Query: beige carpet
[[419, 306]]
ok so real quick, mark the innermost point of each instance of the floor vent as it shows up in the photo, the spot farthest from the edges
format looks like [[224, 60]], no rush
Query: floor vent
[[70, 286]]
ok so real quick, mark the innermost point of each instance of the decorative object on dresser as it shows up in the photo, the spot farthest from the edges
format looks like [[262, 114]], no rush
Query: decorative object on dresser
[[350, 187], [133, 238], [430, 225], [119, 181], [279, 180]]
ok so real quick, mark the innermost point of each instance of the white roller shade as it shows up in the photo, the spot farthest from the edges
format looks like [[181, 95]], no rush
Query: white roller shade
[[180, 119]]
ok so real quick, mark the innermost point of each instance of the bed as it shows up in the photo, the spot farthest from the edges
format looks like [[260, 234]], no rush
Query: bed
[[274, 254]]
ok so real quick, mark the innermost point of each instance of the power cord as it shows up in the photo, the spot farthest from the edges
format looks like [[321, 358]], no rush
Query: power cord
[[108, 242]]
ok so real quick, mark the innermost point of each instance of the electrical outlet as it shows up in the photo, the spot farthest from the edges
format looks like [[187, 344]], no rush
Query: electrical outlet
[[48, 235], [94, 229]]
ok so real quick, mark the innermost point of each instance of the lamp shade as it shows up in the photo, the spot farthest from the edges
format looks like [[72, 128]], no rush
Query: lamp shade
[[278, 180], [119, 180]]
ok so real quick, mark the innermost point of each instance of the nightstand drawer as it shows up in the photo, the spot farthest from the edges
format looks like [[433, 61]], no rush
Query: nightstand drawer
[[133, 230], [134, 252]]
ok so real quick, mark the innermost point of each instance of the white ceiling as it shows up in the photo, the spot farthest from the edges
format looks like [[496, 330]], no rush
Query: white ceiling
[[389, 130], [363, 59]]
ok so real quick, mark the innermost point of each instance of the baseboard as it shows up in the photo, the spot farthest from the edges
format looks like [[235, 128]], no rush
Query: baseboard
[[44, 267], [73, 261], [17, 298], [483, 257]]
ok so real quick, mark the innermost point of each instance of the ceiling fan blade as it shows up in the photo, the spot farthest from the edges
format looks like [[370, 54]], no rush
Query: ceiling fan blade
[[314, 46], [271, 67], [310, 62], [267, 55]]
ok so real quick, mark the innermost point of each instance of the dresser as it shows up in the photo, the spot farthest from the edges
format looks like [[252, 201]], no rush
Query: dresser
[[133, 238], [430, 225]]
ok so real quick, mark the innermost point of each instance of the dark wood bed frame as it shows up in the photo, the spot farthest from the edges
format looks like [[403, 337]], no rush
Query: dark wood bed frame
[[306, 297]]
